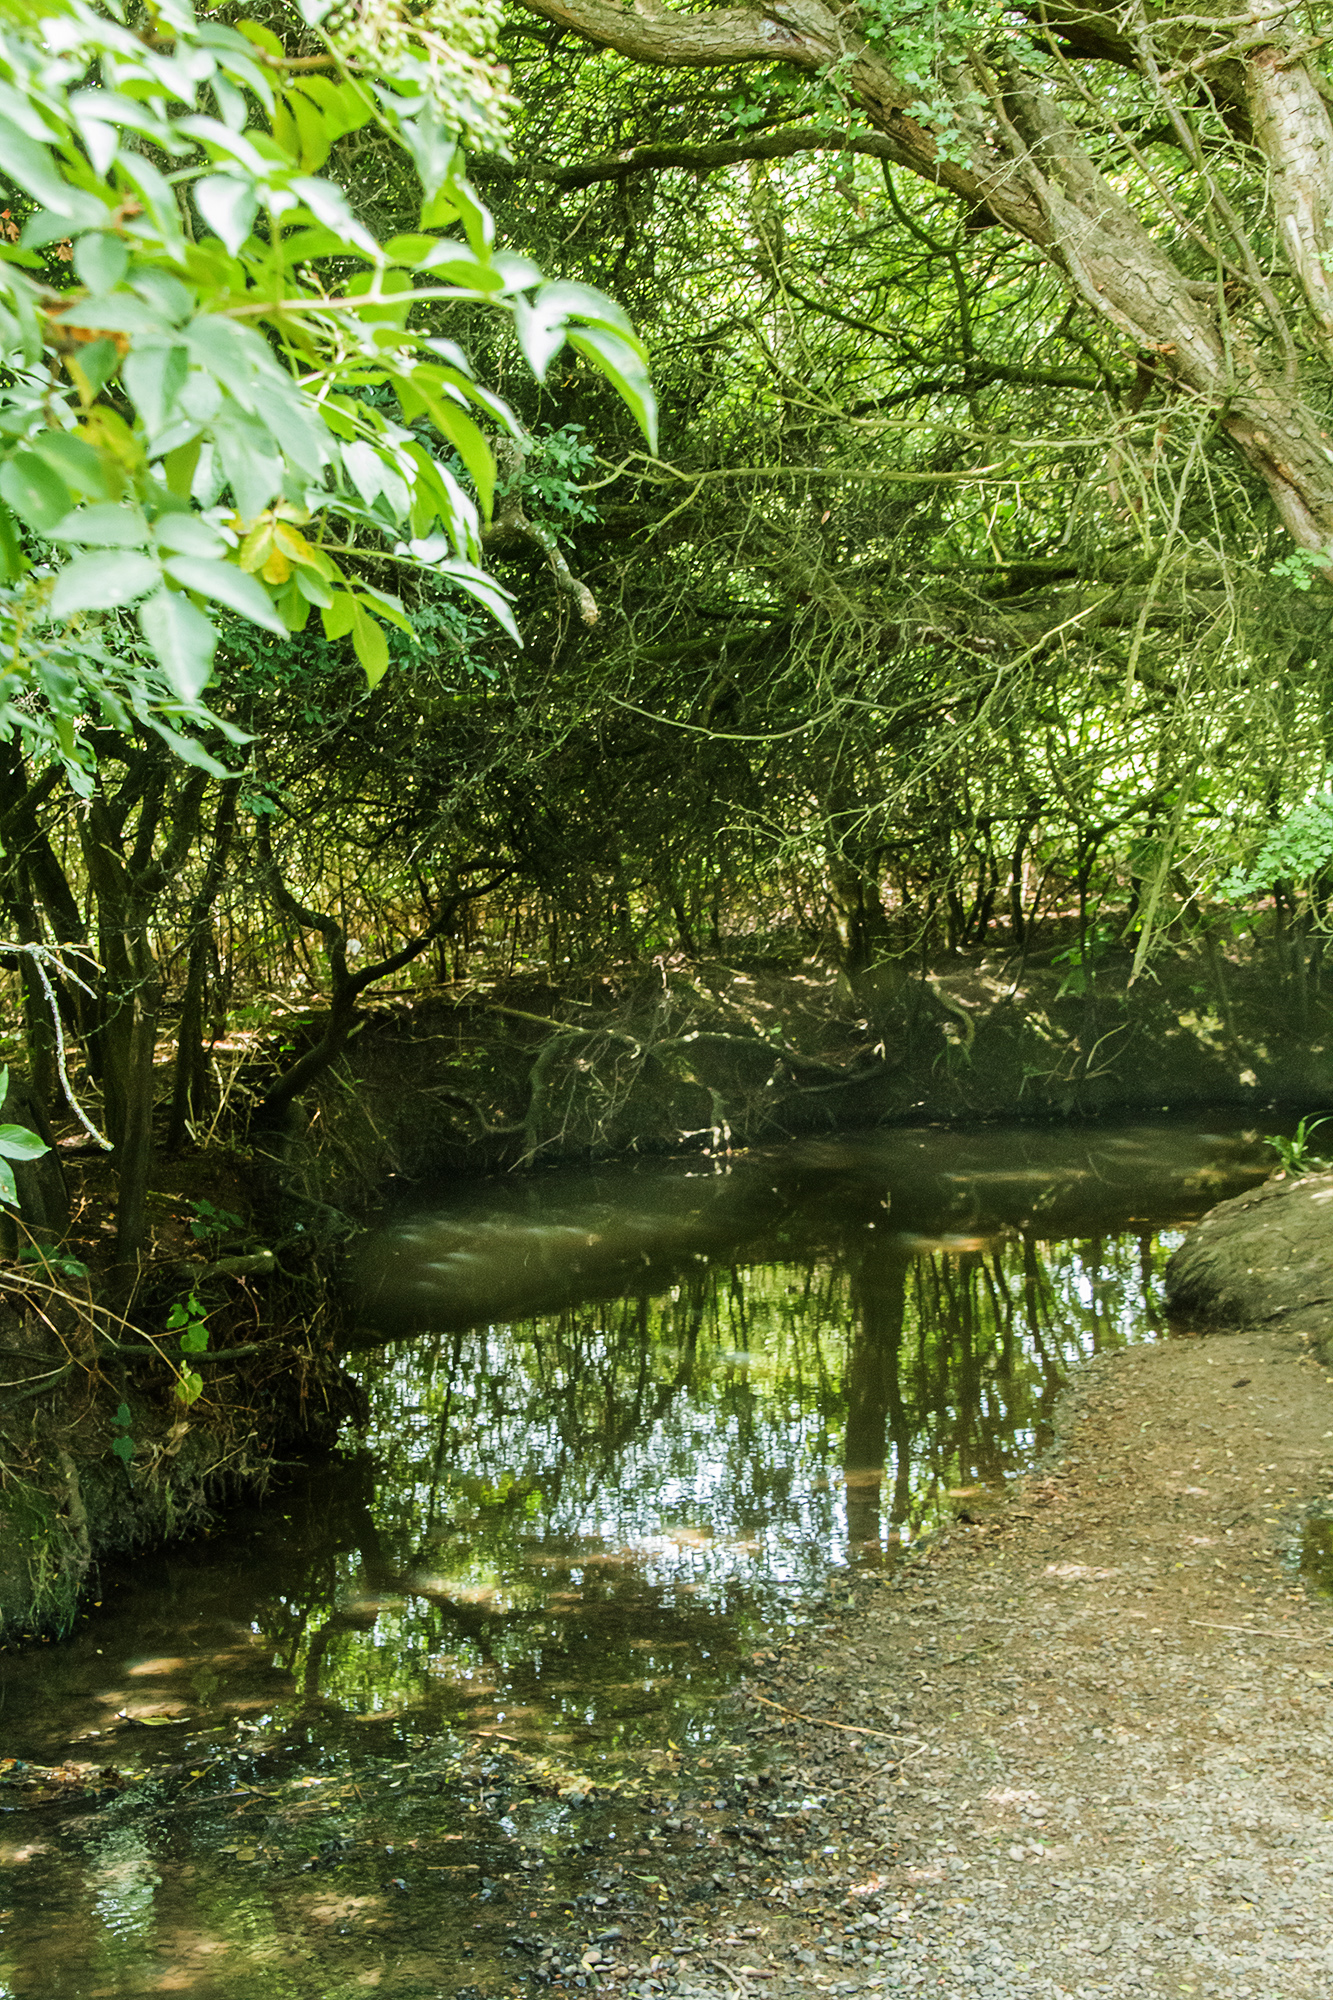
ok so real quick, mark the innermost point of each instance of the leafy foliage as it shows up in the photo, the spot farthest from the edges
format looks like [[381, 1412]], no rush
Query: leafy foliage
[[1298, 849], [1295, 1153], [184, 426]]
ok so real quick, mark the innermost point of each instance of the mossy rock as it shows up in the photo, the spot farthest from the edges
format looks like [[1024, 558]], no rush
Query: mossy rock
[[1262, 1259]]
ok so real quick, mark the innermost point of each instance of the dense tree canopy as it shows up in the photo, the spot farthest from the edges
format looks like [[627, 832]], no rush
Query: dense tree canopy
[[973, 589]]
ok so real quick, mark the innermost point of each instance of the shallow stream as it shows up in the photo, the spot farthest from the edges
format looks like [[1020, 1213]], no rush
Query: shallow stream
[[626, 1428]]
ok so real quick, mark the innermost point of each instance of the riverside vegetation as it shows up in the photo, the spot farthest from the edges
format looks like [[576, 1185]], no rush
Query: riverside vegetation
[[740, 572]]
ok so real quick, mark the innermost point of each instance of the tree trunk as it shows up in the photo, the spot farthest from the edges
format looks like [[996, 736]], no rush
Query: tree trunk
[[191, 1082]]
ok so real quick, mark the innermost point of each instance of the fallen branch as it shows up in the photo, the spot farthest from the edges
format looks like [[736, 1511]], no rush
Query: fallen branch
[[818, 1722]]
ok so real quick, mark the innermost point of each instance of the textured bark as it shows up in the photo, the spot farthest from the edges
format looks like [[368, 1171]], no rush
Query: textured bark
[[1293, 130]]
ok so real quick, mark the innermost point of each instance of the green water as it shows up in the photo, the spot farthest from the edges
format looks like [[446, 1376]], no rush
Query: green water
[[628, 1428]]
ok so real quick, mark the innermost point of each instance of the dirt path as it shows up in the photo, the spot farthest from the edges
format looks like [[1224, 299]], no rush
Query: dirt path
[[1109, 1705]]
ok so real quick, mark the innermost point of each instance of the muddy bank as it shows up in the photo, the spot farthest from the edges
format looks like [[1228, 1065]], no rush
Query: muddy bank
[[126, 1422], [706, 1056]]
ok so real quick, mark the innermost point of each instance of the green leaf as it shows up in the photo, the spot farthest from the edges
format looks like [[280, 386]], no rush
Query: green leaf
[[188, 535], [194, 1340], [541, 330], [182, 641], [456, 264], [124, 1416], [593, 306], [487, 592], [228, 206], [92, 367], [463, 435], [8, 1191], [433, 146], [180, 467], [262, 37], [11, 549], [123, 1447], [189, 1386], [18, 1143], [34, 490], [623, 369], [346, 106], [105, 526], [34, 170], [369, 644], [76, 461], [153, 375], [102, 582], [227, 585], [101, 260], [337, 617]]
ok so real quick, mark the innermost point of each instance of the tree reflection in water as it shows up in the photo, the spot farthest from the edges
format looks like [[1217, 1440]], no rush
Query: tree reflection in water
[[558, 1508]]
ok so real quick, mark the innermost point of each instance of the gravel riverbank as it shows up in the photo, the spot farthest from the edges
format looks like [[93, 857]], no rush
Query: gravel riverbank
[[1080, 1746]]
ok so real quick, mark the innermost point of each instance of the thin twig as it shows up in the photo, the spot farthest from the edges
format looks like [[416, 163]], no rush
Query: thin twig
[[36, 953], [818, 1722]]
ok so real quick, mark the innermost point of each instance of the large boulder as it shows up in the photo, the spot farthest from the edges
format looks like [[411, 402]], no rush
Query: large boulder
[[1262, 1259]]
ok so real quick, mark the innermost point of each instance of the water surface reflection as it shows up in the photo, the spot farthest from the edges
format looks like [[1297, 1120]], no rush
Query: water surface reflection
[[636, 1424]]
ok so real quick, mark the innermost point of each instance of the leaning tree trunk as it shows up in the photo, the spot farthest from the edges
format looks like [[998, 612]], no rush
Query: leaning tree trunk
[[1016, 158]]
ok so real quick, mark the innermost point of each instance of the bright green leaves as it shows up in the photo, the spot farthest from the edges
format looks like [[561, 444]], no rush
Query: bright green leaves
[[184, 428], [37, 493], [188, 1319], [596, 328], [1299, 849], [182, 640], [16, 1143], [349, 614], [225, 584], [228, 206], [103, 581]]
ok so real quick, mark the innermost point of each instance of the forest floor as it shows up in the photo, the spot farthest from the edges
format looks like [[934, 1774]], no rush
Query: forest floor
[[1082, 1745]]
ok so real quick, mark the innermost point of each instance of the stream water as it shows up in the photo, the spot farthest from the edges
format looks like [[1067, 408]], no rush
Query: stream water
[[629, 1426]]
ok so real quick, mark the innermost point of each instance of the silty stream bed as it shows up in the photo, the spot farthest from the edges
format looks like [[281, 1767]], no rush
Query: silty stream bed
[[630, 1427]]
